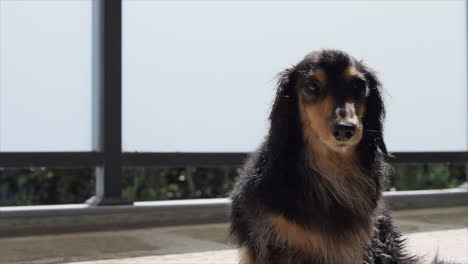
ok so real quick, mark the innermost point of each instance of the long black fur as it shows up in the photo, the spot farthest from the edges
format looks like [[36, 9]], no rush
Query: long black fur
[[276, 179]]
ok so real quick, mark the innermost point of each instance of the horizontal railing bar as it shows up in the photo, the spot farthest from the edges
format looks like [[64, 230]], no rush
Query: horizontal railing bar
[[139, 159], [78, 209], [147, 159], [181, 159], [46, 219], [399, 200], [429, 157], [51, 159]]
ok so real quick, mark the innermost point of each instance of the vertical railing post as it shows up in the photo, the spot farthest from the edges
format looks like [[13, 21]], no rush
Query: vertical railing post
[[466, 61], [107, 100]]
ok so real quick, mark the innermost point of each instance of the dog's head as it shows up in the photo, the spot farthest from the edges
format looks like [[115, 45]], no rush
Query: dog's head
[[337, 100]]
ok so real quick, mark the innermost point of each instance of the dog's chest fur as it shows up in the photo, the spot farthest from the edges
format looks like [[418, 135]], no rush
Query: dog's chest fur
[[339, 237], [317, 246]]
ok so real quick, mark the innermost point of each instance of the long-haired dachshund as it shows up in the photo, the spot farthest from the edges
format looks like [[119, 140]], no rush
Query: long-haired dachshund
[[312, 192]]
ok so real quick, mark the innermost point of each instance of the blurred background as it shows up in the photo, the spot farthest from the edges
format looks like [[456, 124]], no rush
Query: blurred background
[[108, 103]]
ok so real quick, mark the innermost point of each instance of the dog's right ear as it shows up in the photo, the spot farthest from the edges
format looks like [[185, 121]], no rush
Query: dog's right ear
[[283, 117], [285, 80], [284, 95]]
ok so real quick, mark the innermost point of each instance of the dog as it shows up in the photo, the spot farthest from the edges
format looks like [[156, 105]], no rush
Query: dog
[[312, 191]]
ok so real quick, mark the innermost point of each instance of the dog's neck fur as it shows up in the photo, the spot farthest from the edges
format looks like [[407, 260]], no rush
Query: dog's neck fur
[[345, 182], [349, 183], [329, 162], [337, 225]]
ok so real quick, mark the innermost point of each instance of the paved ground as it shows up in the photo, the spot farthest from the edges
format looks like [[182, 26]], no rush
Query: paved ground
[[428, 231]]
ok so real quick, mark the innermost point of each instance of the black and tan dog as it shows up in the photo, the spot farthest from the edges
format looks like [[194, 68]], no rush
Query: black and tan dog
[[312, 192]]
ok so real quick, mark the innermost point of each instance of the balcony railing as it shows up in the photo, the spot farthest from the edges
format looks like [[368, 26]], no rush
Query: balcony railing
[[109, 159]]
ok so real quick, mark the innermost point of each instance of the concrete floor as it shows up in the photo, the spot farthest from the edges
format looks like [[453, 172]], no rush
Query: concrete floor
[[428, 231]]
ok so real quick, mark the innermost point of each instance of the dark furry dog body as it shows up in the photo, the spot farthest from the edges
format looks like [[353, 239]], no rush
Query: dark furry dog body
[[312, 192]]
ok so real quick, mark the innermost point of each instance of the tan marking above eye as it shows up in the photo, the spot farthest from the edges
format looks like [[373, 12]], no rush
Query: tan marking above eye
[[349, 73], [320, 75]]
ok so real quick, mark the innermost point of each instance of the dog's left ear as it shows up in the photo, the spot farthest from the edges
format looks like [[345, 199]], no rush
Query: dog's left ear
[[373, 120]]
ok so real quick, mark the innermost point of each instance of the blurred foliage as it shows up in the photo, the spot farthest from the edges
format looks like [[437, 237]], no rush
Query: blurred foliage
[[28, 186], [420, 176], [145, 184]]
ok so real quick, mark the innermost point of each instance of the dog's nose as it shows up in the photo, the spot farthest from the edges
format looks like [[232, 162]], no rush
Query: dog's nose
[[343, 131]]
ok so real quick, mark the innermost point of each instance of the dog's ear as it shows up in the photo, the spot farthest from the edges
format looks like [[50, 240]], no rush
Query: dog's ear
[[375, 113], [283, 115], [284, 84], [284, 95]]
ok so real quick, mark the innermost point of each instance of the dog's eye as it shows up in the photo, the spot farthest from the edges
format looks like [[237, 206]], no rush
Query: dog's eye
[[313, 88], [360, 87]]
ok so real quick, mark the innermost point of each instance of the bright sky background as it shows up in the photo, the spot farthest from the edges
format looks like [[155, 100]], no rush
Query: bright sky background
[[199, 75]]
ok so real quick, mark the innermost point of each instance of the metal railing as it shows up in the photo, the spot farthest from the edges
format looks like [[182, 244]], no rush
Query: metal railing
[[108, 157]]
